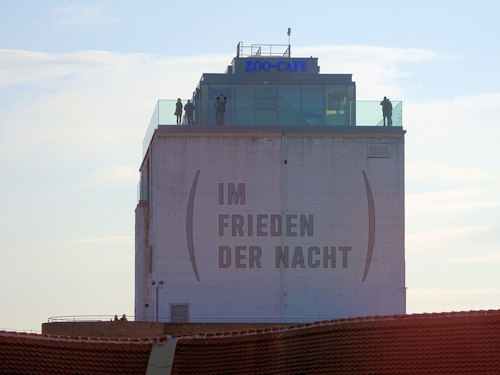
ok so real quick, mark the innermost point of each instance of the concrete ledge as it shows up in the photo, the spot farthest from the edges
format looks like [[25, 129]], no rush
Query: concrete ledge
[[145, 329], [281, 129]]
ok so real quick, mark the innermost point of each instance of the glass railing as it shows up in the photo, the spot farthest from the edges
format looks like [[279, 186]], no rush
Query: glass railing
[[275, 112], [142, 191]]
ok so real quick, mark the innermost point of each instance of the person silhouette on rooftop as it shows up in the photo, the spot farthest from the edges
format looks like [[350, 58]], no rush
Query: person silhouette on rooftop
[[188, 110], [220, 109], [178, 111], [387, 110]]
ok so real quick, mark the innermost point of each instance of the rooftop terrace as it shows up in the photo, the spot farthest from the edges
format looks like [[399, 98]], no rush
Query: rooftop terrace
[[269, 114]]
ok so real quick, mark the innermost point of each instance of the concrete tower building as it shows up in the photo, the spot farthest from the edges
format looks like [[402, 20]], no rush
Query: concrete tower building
[[283, 201]]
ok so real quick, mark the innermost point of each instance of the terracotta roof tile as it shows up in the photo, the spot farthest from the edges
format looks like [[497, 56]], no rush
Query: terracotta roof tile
[[22, 353], [445, 343]]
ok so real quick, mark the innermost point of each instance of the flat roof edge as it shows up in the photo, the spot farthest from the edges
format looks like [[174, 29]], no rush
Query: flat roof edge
[[282, 129]]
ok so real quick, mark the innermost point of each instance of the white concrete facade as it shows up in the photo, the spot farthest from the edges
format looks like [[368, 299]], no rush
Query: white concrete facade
[[271, 225]]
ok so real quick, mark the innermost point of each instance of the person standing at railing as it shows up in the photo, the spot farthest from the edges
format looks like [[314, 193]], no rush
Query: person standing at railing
[[220, 109], [178, 111], [387, 110], [188, 110]]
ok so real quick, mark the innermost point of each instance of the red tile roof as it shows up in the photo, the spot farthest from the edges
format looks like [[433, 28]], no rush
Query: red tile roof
[[447, 343], [22, 353], [444, 343]]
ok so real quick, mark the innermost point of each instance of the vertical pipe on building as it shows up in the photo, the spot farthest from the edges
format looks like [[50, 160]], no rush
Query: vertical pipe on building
[[149, 178], [156, 319], [284, 209]]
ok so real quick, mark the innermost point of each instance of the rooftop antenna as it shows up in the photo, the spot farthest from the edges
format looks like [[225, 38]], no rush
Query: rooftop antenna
[[289, 32]]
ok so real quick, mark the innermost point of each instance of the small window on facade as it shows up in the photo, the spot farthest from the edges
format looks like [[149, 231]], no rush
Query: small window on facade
[[379, 150], [179, 312]]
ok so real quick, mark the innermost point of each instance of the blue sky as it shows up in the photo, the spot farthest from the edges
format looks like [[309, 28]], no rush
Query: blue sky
[[79, 81]]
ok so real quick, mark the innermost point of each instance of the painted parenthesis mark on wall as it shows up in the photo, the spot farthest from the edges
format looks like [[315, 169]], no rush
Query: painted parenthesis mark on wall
[[371, 225], [189, 225]]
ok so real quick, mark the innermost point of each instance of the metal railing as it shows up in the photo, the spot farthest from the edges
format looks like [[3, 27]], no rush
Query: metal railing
[[88, 318], [282, 50], [20, 330]]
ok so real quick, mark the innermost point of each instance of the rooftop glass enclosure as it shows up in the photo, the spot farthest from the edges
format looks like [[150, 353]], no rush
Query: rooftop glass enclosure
[[264, 86]]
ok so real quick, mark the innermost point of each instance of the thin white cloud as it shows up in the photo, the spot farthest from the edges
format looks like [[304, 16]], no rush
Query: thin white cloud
[[116, 174], [437, 172], [447, 300], [458, 219], [361, 52], [109, 239], [446, 150], [375, 68], [78, 14], [438, 293], [458, 116], [451, 201], [91, 102], [490, 257], [17, 67], [433, 240], [20, 67]]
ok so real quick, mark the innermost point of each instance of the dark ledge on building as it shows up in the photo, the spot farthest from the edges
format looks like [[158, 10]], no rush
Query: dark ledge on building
[[283, 129]]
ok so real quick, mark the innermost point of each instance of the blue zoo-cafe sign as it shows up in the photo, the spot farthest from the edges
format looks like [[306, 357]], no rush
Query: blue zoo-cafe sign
[[277, 66]]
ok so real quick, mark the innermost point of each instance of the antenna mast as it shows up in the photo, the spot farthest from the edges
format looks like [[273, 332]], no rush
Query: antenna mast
[[289, 47]]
